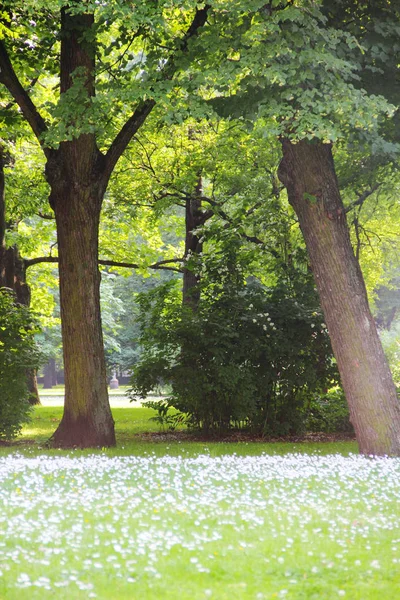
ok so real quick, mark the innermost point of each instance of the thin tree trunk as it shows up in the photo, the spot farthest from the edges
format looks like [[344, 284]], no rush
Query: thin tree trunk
[[15, 279], [47, 377], [307, 170], [194, 217], [2, 219], [23, 296], [53, 371], [34, 398]]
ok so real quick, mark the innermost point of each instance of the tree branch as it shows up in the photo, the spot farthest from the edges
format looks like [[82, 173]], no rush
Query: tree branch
[[362, 197], [29, 262], [145, 107], [125, 135], [162, 264], [9, 78], [46, 216]]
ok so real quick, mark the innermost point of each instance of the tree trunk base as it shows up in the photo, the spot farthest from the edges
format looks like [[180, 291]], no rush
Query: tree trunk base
[[81, 434]]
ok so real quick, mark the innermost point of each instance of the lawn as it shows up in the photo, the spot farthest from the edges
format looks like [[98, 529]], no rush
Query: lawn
[[195, 520]]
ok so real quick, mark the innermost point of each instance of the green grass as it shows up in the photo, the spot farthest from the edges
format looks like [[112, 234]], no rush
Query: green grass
[[131, 422], [167, 520]]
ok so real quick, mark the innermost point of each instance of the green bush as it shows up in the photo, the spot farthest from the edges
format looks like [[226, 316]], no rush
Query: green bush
[[18, 353], [329, 413], [249, 356]]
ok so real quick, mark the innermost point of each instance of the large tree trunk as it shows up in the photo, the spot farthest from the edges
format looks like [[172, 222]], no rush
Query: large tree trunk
[[307, 170], [75, 175], [87, 419]]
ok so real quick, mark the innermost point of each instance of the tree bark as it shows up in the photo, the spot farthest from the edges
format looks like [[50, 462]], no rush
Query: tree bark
[[47, 376], [87, 419], [194, 218], [307, 171], [2, 219]]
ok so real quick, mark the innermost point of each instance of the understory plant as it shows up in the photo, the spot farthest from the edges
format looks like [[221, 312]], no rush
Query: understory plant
[[247, 355], [18, 355]]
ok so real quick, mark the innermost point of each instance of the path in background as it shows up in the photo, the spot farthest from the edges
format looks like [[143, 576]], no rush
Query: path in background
[[55, 397]]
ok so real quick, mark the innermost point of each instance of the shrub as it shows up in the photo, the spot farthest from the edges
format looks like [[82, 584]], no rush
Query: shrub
[[249, 355], [18, 353], [329, 413]]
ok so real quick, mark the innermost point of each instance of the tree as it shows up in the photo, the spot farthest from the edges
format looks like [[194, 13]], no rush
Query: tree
[[13, 274], [78, 173], [18, 354], [303, 82], [307, 170]]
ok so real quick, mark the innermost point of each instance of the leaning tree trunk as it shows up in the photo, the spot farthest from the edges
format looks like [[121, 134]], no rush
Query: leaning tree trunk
[[87, 420], [307, 170]]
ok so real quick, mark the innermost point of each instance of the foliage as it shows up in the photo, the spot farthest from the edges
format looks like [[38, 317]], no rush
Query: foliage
[[18, 353], [164, 417], [249, 354], [329, 413]]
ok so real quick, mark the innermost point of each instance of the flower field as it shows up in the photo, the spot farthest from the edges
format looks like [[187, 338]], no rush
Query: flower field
[[293, 526]]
